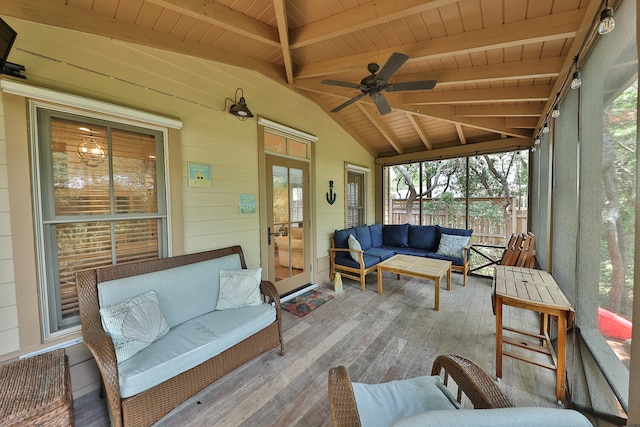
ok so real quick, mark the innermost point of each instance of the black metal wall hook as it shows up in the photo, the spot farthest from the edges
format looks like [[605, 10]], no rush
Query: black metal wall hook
[[331, 196]]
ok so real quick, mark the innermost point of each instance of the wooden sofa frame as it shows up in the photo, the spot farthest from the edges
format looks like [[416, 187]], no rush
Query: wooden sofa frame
[[359, 274], [149, 406]]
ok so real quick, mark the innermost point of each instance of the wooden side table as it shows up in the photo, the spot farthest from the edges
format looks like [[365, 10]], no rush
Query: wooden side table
[[36, 391], [533, 290]]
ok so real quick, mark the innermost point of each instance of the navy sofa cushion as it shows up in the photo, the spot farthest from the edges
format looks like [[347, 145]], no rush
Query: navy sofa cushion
[[340, 238], [375, 231], [456, 231], [364, 237], [454, 261], [413, 251], [424, 236], [369, 261], [381, 252], [395, 235]]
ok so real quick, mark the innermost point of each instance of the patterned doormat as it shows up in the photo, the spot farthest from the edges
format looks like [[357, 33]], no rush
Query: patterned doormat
[[305, 303]]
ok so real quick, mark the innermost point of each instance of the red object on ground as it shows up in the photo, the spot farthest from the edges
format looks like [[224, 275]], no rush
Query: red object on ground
[[613, 326]]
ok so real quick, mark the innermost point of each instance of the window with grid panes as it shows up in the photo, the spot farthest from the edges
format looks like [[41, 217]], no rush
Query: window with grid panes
[[103, 202], [355, 199]]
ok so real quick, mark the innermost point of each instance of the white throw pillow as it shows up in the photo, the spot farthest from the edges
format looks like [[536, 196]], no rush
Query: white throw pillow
[[134, 324], [451, 245], [354, 244], [239, 288]]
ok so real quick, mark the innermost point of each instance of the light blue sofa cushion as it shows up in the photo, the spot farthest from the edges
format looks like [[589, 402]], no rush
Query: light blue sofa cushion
[[183, 292], [395, 235], [190, 344], [381, 404], [502, 417]]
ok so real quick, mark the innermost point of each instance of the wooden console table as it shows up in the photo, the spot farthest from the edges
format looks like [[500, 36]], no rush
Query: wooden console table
[[36, 391], [533, 290]]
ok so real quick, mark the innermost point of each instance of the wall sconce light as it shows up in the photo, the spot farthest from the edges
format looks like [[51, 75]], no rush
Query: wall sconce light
[[331, 196], [577, 80], [555, 113], [239, 107], [607, 23], [91, 152]]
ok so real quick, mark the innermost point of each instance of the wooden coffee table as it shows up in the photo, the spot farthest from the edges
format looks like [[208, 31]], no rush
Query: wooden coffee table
[[416, 266]]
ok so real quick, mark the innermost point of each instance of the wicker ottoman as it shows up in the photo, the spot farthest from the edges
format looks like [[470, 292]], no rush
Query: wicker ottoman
[[36, 391]]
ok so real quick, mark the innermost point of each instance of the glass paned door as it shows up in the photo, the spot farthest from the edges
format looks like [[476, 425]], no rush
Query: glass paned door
[[288, 213]]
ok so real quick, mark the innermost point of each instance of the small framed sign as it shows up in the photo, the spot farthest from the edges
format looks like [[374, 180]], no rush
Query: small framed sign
[[247, 204], [199, 175]]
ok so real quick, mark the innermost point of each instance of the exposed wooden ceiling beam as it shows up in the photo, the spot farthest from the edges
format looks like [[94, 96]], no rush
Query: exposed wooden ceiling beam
[[535, 30], [283, 30], [533, 109], [495, 146], [361, 17], [421, 133], [521, 122], [461, 137], [72, 18], [381, 128], [224, 17], [503, 94], [516, 70]]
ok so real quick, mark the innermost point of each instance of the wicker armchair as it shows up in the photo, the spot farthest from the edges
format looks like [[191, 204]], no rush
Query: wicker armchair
[[470, 378]]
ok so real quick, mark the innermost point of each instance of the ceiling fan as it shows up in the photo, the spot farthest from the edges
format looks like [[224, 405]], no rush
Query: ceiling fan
[[375, 84]]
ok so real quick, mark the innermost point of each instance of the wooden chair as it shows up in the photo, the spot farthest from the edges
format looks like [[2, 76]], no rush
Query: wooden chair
[[519, 251]]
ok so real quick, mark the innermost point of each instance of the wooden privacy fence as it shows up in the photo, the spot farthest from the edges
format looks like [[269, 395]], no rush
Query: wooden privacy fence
[[486, 230]]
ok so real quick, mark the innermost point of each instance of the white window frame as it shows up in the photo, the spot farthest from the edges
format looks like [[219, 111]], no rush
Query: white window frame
[[72, 104], [350, 168]]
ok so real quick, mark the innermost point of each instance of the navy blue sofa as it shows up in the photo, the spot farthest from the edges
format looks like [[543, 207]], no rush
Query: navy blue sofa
[[378, 243]]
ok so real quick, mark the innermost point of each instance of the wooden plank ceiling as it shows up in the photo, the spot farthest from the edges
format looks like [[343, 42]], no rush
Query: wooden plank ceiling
[[499, 64]]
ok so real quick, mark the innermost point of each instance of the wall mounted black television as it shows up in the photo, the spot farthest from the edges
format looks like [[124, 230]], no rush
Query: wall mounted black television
[[7, 37]]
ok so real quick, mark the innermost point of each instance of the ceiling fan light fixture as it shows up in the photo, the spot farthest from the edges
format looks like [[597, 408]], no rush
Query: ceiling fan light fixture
[[607, 23], [239, 107]]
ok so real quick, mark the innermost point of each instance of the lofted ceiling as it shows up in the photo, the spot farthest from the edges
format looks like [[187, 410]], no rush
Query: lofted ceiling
[[500, 65]]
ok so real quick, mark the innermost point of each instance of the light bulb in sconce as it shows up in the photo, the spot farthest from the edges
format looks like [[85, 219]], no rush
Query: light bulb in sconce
[[545, 128], [536, 141], [607, 23], [555, 113], [577, 80]]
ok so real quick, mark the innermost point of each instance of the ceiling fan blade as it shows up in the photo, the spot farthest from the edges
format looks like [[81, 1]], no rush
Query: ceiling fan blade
[[416, 85], [342, 84], [349, 102], [393, 64], [381, 103]]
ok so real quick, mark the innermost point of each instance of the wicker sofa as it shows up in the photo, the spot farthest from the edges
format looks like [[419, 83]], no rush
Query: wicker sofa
[[205, 340], [377, 243]]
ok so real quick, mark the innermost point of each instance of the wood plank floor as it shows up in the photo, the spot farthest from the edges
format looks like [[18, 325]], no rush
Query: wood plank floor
[[377, 337]]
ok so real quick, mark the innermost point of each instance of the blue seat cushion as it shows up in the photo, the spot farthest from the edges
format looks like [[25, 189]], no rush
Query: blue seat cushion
[[424, 236], [363, 236], [369, 261], [376, 235], [380, 252], [395, 235], [454, 261], [413, 251]]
